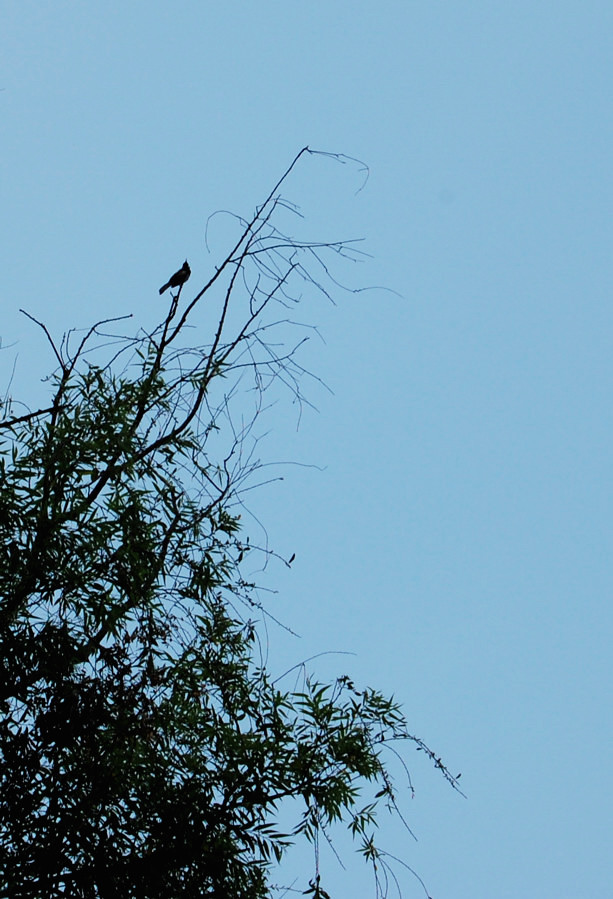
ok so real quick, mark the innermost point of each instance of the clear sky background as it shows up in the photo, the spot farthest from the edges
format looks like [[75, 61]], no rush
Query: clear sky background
[[457, 538]]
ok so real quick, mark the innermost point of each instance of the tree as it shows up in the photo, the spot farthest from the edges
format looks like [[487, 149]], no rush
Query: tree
[[145, 748]]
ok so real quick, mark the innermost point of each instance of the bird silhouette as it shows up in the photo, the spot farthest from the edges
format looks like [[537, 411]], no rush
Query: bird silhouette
[[179, 278]]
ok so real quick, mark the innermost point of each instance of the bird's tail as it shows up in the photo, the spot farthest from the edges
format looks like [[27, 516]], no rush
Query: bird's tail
[[165, 287]]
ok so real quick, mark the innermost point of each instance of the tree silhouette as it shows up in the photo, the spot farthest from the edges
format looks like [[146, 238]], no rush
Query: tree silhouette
[[145, 748]]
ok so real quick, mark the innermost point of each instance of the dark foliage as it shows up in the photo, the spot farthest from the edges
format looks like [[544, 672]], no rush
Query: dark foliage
[[144, 748]]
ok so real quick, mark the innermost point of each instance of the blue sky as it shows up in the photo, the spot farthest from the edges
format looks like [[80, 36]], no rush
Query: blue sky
[[456, 533]]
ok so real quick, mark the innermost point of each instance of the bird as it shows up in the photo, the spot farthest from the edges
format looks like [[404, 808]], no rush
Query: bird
[[179, 278]]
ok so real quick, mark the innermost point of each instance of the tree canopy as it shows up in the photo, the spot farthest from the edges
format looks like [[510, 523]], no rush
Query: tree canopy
[[145, 748]]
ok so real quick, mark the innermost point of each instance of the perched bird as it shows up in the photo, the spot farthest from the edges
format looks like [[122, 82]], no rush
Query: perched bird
[[178, 278]]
